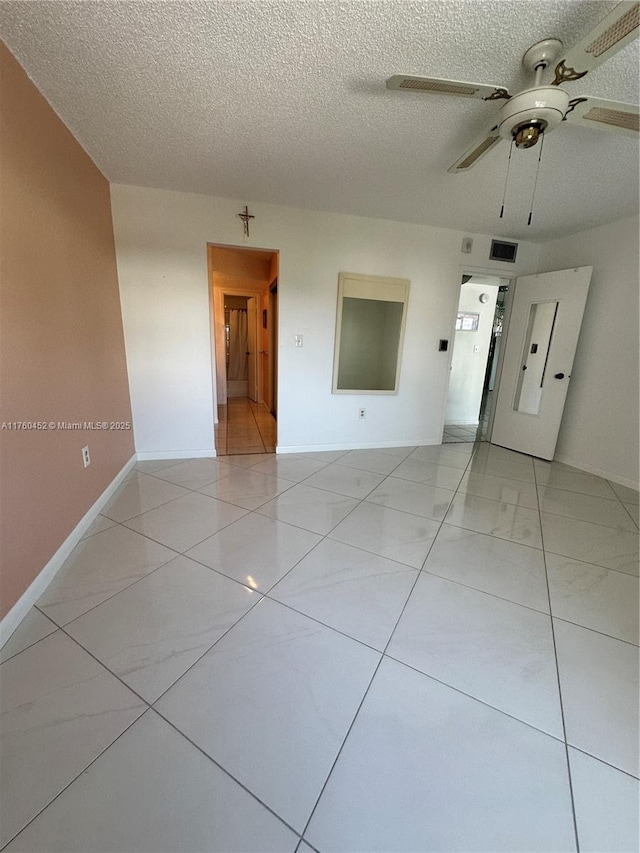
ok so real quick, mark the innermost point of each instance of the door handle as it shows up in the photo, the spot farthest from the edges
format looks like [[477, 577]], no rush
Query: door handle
[[559, 376]]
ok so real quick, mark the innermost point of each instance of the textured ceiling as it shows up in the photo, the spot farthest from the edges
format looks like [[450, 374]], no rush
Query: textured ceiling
[[284, 101]]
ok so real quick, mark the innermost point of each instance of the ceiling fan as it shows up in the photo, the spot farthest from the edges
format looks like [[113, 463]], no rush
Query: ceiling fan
[[524, 118]]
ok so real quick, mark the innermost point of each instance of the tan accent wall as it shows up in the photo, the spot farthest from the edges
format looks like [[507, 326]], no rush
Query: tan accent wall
[[62, 356]]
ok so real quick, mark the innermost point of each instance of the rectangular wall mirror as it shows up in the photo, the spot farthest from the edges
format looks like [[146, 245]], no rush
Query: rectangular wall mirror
[[535, 352], [369, 334]]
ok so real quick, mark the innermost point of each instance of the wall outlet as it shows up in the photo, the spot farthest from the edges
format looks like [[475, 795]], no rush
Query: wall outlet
[[86, 458], [362, 413], [297, 341]]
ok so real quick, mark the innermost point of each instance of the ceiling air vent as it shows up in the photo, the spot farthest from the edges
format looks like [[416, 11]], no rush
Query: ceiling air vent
[[501, 251]]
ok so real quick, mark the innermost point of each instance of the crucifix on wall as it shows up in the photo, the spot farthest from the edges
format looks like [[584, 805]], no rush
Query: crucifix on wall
[[246, 216]]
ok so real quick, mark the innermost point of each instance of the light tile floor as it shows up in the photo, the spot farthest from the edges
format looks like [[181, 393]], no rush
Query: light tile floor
[[406, 649], [244, 427]]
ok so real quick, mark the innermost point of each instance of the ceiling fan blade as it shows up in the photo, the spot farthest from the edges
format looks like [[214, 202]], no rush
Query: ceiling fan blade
[[606, 115], [613, 32], [436, 86], [479, 148]]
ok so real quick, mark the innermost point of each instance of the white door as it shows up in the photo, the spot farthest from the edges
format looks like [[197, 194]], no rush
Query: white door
[[541, 342], [252, 349]]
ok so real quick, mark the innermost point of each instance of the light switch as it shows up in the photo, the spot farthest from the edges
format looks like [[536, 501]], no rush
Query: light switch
[[297, 341]]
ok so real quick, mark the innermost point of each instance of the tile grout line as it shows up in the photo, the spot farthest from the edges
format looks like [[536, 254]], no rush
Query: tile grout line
[[225, 771], [555, 654], [68, 785], [262, 595], [150, 706], [382, 657], [606, 763]]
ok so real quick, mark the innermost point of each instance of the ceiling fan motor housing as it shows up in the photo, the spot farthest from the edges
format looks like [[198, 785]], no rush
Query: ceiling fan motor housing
[[542, 107]]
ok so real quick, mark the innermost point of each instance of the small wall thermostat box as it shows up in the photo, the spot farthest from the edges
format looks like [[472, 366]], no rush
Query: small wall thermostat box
[[443, 346]]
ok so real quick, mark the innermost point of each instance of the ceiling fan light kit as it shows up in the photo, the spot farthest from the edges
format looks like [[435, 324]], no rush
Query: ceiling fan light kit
[[543, 107], [526, 117]]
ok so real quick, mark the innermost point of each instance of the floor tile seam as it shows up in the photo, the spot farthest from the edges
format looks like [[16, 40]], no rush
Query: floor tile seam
[[359, 501], [493, 535], [235, 466], [124, 521], [484, 592], [342, 745], [319, 621], [267, 500], [471, 696], [75, 778], [603, 761], [424, 562], [35, 642], [206, 651], [200, 541], [588, 521], [413, 514], [326, 489], [503, 476], [171, 464], [95, 532], [384, 654], [265, 433], [223, 575], [626, 509], [558, 678], [373, 503], [175, 555], [299, 526], [227, 772], [596, 631], [613, 484], [369, 471], [613, 499], [502, 500], [371, 553], [104, 666], [190, 488], [593, 565], [366, 692]]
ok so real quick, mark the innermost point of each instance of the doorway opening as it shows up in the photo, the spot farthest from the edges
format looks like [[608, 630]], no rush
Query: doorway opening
[[476, 351], [243, 286]]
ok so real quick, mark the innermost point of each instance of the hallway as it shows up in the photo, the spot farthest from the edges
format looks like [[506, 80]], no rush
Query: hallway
[[244, 427]]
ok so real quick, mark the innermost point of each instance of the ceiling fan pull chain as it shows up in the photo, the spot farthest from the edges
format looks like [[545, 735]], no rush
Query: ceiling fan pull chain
[[535, 183], [506, 180]]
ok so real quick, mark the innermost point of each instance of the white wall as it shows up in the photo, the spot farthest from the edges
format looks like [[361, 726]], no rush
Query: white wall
[[470, 353], [599, 430], [161, 239]]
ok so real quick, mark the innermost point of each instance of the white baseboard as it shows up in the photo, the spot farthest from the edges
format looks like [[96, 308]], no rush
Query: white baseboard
[[599, 472], [356, 445], [150, 455], [33, 592]]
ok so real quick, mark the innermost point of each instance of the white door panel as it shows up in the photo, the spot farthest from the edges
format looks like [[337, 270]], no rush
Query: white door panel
[[543, 334]]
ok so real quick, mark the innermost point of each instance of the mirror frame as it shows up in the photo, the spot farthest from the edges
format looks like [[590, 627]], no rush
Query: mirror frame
[[379, 289]]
